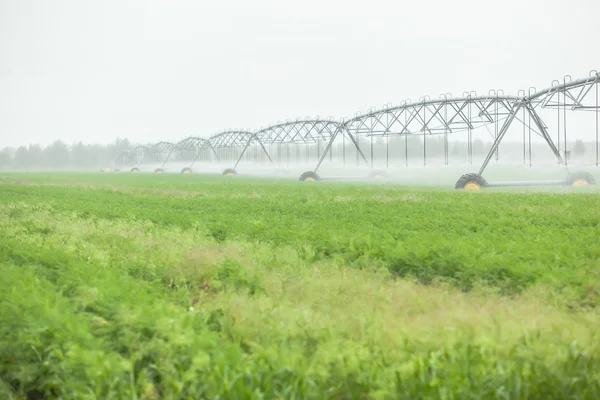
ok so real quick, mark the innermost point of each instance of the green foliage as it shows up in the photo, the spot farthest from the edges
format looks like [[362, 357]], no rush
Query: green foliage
[[200, 287]]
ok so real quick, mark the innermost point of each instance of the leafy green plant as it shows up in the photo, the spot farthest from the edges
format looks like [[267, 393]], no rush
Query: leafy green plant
[[197, 287]]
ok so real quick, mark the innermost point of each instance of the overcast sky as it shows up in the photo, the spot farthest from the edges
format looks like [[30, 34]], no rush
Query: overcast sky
[[162, 70]]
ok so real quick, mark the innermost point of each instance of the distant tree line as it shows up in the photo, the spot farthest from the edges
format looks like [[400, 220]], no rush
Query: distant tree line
[[79, 155], [60, 155]]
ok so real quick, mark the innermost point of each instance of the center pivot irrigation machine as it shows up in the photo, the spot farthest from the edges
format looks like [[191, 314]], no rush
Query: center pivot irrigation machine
[[382, 137]]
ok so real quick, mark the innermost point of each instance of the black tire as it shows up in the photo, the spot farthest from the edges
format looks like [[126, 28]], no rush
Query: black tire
[[186, 170], [229, 172], [309, 176], [135, 169], [580, 178], [475, 179], [159, 171], [378, 175]]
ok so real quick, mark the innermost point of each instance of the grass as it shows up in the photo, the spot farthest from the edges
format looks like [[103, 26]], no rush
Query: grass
[[145, 286]]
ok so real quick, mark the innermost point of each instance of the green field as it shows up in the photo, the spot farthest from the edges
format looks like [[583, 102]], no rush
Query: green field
[[188, 286]]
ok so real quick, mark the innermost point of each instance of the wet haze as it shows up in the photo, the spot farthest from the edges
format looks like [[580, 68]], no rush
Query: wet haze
[[162, 70]]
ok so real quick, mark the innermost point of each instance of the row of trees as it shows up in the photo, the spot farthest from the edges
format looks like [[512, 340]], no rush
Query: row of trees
[[60, 155]]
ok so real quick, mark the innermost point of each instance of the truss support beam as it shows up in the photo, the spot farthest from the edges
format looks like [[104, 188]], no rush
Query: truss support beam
[[327, 149], [343, 131], [544, 132], [500, 136], [248, 145]]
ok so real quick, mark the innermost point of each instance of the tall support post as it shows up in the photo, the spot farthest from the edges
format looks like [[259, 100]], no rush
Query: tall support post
[[558, 120], [405, 138], [424, 149], [500, 135], [496, 126], [387, 141], [446, 133], [529, 92], [565, 122], [318, 149], [357, 144], [387, 151], [371, 151], [597, 121], [524, 144], [530, 161], [424, 135], [469, 135], [279, 154], [307, 151], [344, 150], [330, 155], [566, 151], [406, 149]]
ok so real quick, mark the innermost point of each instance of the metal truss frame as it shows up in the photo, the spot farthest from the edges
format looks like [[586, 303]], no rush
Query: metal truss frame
[[428, 117], [495, 112], [196, 144], [306, 131]]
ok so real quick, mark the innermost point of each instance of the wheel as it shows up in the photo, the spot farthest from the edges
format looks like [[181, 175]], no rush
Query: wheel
[[135, 169], [158, 171], [581, 178], [186, 170], [379, 175], [470, 182], [229, 172], [309, 176]]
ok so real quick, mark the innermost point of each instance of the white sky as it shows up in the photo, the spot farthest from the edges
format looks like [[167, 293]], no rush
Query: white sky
[[162, 70]]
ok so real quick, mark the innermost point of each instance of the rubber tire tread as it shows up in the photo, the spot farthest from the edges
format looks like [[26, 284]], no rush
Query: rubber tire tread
[[466, 178]]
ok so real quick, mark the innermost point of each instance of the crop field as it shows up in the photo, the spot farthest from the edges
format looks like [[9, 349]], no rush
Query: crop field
[[208, 287]]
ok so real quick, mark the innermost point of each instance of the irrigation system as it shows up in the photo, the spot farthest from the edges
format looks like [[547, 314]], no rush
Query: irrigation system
[[381, 138]]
